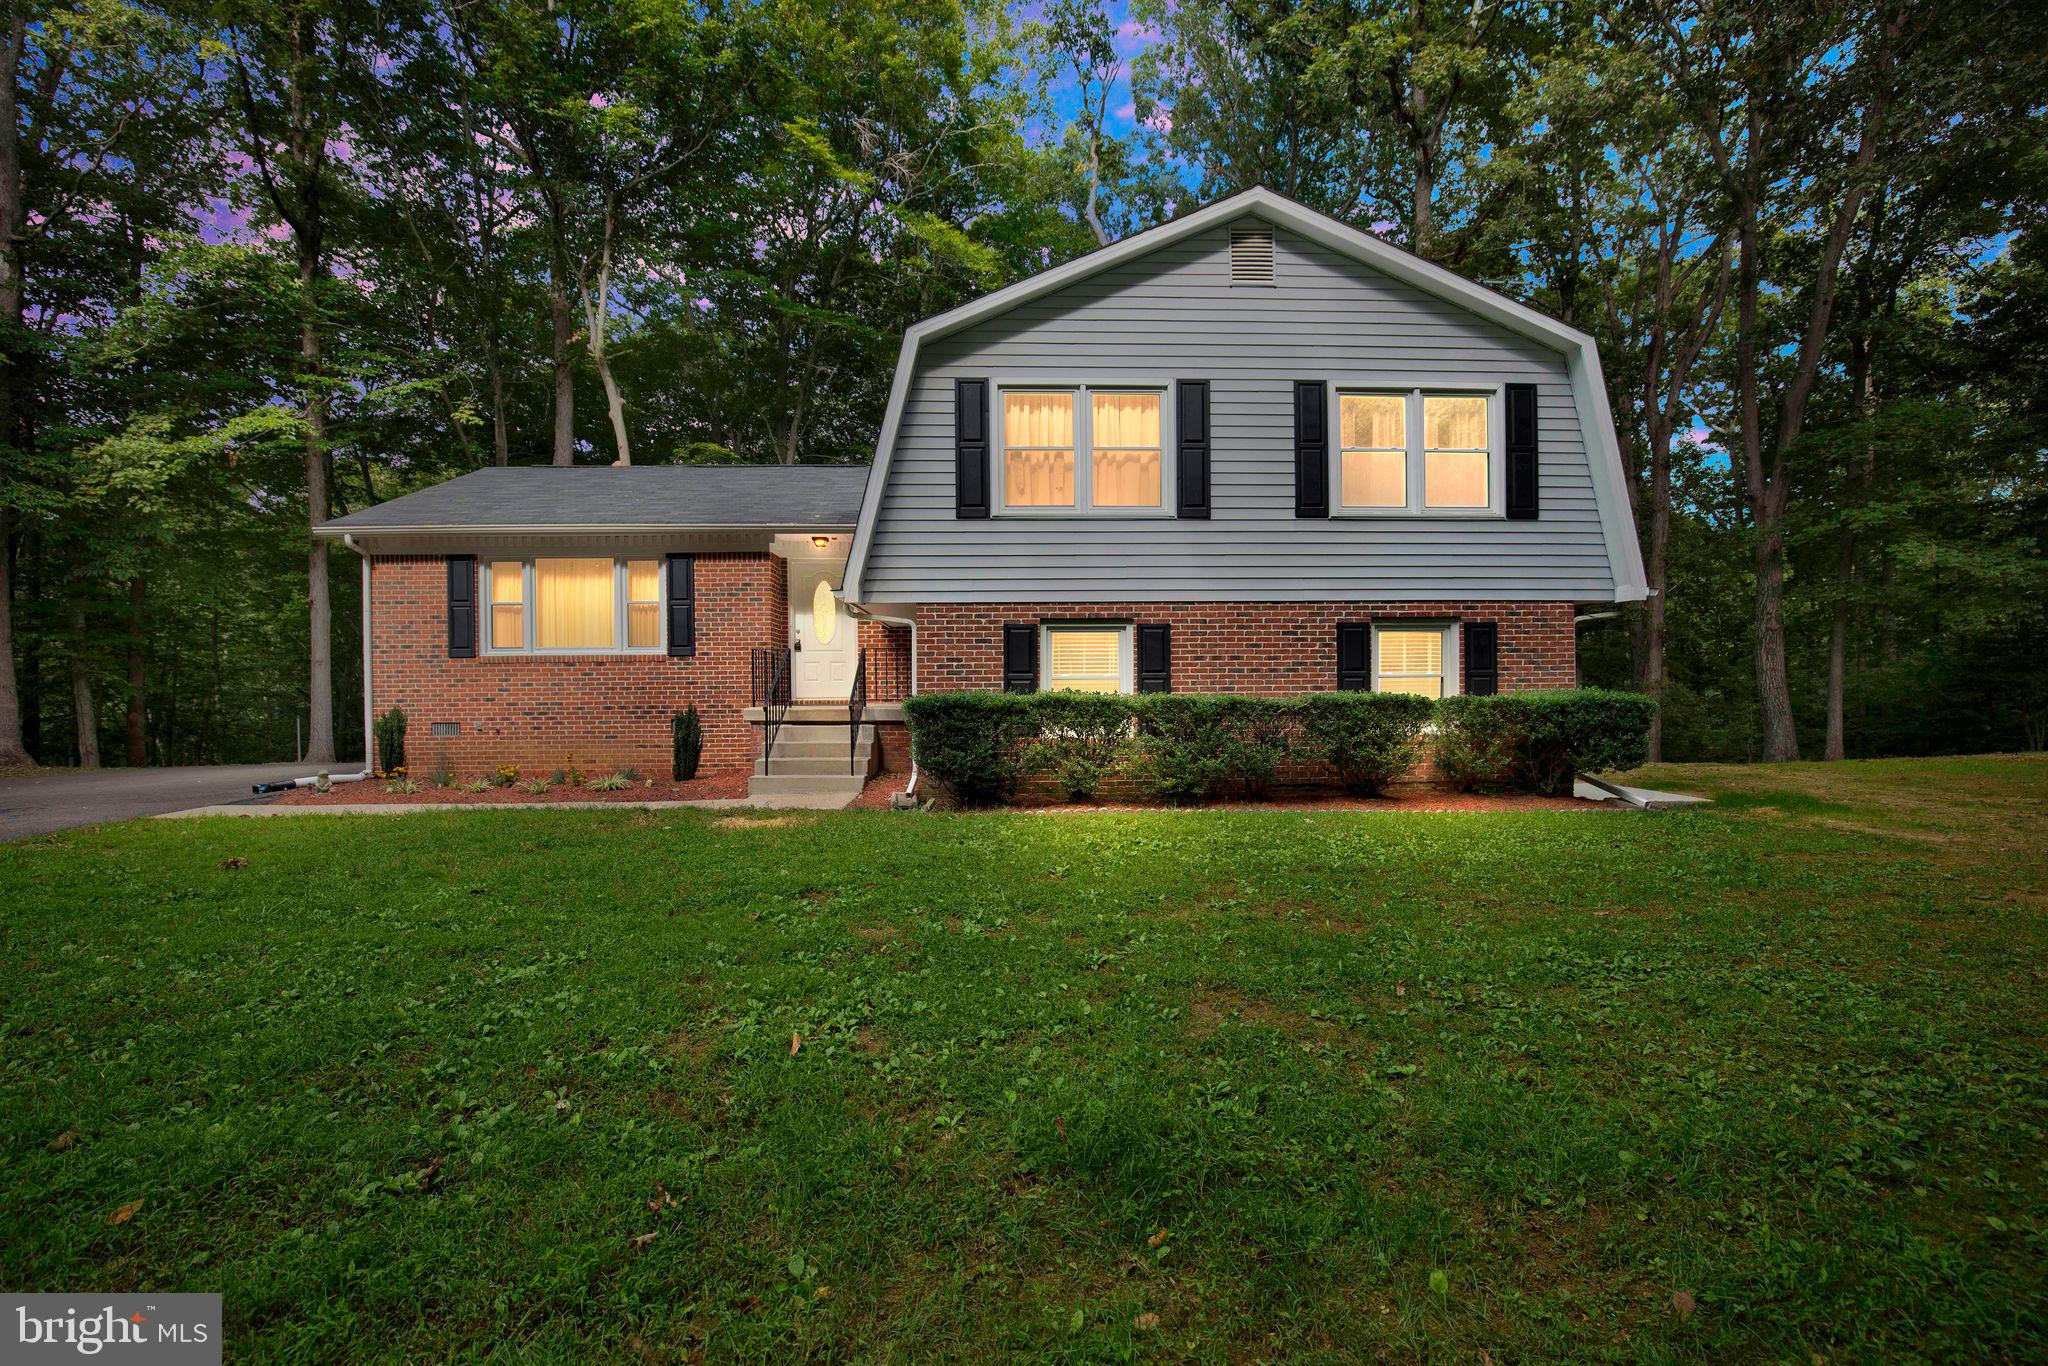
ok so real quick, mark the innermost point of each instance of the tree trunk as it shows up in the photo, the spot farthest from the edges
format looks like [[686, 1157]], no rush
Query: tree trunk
[[88, 723], [138, 736], [1766, 490], [320, 657], [1836, 745], [565, 378], [12, 751], [1655, 572], [501, 441]]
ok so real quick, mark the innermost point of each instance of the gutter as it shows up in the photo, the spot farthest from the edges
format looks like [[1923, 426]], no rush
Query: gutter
[[575, 529], [859, 611]]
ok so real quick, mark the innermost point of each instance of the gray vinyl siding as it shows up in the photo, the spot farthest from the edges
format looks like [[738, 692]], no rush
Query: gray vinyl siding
[[1174, 314]]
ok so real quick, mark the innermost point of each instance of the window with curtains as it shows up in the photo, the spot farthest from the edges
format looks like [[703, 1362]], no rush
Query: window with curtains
[[574, 605], [1416, 451], [1415, 659], [1082, 449], [1087, 657]]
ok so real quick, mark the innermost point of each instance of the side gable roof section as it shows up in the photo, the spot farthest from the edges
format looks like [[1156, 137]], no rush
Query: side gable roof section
[[1582, 355], [605, 498]]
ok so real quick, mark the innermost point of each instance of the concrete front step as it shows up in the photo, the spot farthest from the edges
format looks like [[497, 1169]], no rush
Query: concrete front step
[[805, 785], [794, 745], [824, 765]]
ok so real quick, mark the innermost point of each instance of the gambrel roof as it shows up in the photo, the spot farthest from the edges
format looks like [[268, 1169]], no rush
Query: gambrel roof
[[1580, 353]]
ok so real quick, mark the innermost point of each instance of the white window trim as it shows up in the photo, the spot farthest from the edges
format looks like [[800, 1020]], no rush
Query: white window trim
[[1126, 652], [1496, 447], [530, 618], [1084, 415], [1454, 663]]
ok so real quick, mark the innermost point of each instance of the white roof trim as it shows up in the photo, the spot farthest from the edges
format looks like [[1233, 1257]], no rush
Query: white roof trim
[[1589, 390]]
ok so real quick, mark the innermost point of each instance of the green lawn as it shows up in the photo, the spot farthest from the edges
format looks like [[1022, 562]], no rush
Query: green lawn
[[1764, 1081]]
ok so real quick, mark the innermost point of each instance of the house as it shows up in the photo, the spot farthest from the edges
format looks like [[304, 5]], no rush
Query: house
[[1252, 450]]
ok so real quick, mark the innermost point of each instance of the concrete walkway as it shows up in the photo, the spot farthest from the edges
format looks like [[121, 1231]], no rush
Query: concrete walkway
[[788, 802], [62, 798]]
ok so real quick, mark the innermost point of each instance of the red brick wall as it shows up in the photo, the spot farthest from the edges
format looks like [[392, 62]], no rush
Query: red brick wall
[[1269, 648], [599, 712], [888, 650]]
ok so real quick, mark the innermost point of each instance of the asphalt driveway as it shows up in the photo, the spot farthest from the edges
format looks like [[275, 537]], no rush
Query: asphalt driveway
[[62, 798]]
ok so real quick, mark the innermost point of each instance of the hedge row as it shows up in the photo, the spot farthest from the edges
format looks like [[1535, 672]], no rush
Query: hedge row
[[1183, 747]]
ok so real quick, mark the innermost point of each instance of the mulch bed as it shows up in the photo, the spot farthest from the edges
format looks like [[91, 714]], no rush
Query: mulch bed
[[370, 791]]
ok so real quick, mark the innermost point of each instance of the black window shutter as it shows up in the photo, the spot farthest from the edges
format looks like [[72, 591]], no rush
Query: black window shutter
[[1192, 476], [1020, 657], [1521, 445], [1311, 448], [1354, 656], [1482, 658], [682, 606], [462, 607], [970, 448], [1155, 658]]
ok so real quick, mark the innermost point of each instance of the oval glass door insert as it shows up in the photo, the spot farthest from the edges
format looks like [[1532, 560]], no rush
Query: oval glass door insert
[[824, 612]]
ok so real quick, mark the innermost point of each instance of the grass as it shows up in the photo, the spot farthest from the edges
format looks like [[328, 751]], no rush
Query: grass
[[1763, 1081]]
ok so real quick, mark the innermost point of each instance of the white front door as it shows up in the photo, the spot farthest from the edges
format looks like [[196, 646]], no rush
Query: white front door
[[823, 639]]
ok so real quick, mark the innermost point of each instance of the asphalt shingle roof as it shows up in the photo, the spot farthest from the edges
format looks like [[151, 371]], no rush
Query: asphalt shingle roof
[[793, 497]]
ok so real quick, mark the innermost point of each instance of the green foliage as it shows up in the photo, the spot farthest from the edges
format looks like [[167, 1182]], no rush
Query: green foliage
[[968, 741], [1539, 740], [686, 743], [1367, 738], [611, 782], [1079, 739], [390, 735], [1191, 744]]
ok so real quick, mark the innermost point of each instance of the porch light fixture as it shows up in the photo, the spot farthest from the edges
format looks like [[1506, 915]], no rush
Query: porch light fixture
[[820, 542]]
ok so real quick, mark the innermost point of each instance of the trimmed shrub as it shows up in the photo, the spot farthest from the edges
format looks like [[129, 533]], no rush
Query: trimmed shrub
[[1540, 741], [1189, 744], [1080, 739], [1367, 738], [390, 732], [686, 739], [969, 741]]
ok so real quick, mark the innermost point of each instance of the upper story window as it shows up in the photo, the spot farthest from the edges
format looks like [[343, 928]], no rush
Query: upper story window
[[1082, 449], [573, 605], [1416, 451]]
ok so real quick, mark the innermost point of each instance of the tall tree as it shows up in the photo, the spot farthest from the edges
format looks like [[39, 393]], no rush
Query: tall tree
[[295, 69], [1795, 109]]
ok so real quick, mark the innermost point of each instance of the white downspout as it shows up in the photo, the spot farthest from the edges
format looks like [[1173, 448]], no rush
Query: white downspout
[[369, 728], [911, 626], [282, 784]]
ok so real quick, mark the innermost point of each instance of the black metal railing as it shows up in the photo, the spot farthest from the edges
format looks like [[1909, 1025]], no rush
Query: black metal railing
[[856, 703], [771, 694]]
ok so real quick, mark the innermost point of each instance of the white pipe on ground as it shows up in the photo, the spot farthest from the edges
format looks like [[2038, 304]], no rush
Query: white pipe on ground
[[285, 785]]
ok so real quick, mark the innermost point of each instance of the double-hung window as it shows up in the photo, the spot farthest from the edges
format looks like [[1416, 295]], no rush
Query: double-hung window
[[1415, 659], [1087, 657], [1407, 451], [1082, 448], [573, 605]]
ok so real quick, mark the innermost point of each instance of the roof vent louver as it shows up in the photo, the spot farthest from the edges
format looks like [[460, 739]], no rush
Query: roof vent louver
[[1251, 255]]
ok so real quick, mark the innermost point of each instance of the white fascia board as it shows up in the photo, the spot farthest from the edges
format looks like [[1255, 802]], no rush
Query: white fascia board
[[1582, 354]]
